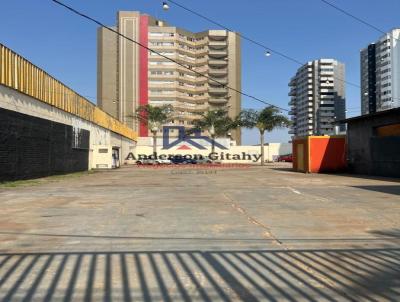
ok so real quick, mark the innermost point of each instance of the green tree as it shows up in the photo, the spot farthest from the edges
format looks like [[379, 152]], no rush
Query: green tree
[[216, 122], [155, 117], [266, 119]]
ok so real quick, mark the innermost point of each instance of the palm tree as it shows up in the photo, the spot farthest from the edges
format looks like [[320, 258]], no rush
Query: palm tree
[[216, 122], [266, 119], [155, 117]]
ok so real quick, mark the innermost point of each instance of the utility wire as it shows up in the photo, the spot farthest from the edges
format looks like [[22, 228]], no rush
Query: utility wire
[[267, 48], [239, 34], [164, 56], [353, 16], [375, 28], [244, 37], [359, 19]]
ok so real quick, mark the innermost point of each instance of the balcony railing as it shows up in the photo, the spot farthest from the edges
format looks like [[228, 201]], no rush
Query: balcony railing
[[218, 101], [197, 108], [217, 90], [217, 53], [215, 71], [217, 62], [217, 35], [218, 80], [217, 44]]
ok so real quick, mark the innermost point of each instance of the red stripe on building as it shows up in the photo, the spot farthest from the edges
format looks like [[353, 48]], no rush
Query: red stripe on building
[[143, 70]]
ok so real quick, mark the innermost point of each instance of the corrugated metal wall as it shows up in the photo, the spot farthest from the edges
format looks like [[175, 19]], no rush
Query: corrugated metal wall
[[18, 73]]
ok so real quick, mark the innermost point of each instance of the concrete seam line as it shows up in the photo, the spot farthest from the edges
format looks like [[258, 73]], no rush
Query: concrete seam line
[[300, 264], [251, 219]]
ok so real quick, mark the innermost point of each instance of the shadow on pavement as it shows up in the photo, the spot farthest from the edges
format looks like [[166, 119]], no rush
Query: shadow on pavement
[[394, 190], [395, 233], [371, 177], [285, 169], [290, 275]]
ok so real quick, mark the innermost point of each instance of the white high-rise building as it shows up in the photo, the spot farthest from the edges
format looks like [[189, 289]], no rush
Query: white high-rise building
[[317, 98], [380, 74]]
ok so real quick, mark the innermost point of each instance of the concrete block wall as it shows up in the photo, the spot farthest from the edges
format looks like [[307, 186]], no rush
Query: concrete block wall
[[14, 100], [32, 147]]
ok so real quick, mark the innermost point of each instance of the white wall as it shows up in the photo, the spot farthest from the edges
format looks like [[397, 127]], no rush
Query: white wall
[[271, 152], [395, 67], [99, 137]]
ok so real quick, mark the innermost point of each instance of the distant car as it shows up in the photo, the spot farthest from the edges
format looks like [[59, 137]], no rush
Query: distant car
[[180, 160], [203, 160], [163, 161], [157, 161], [285, 158], [144, 161]]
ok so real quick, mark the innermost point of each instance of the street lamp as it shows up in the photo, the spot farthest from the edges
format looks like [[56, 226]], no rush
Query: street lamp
[[165, 5], [268, 54]]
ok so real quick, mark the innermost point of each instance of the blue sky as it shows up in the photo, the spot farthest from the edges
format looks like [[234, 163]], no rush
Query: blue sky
[[65, 45]]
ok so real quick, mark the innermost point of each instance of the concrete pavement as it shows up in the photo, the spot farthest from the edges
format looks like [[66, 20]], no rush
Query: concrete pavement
[[197, 234]]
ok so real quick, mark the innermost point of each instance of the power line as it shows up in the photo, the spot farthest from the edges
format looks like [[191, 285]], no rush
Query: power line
[[245, 37], [267, 48], [239, 34], [359, 19], [375, 28], [164, 56], [353, 16]]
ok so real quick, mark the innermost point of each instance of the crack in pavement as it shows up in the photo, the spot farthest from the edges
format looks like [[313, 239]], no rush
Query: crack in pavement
[[251, 219], [320, 278]]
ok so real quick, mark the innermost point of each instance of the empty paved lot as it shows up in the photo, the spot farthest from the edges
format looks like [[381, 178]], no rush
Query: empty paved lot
[[254, 234]]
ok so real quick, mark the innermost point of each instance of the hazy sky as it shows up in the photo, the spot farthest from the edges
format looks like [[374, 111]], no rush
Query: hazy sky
[[65, 45]]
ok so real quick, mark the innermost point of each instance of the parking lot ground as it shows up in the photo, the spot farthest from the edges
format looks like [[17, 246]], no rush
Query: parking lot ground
[[193, 233]]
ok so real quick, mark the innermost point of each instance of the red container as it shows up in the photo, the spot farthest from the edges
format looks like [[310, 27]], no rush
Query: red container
[[315, 154]]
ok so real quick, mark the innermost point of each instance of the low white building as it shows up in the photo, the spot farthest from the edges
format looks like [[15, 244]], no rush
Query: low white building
[[224, 150]]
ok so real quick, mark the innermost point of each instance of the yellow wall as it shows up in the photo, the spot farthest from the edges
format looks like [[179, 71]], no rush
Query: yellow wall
[[18, 73]]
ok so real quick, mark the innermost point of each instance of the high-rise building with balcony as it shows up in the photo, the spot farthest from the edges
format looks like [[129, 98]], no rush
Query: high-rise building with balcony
[[317, 98], [380, 74], [130, 75]]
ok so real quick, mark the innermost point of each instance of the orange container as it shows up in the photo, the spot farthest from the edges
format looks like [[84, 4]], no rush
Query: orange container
[[315, 154]]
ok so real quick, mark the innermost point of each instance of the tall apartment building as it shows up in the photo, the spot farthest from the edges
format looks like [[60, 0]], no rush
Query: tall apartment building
[[380, 74], [130, 75], [317, 98]]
